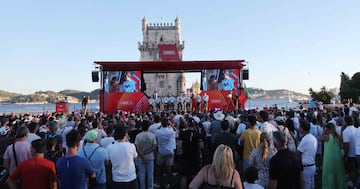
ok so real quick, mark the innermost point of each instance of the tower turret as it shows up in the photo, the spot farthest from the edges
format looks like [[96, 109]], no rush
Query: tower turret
[[144, 24]]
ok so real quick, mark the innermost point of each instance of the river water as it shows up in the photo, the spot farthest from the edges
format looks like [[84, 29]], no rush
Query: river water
[[93, 107]]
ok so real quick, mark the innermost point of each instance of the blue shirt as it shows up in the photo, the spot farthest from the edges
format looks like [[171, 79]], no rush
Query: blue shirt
[[97, 160], [129, 86], [73, 172], [227, 84]]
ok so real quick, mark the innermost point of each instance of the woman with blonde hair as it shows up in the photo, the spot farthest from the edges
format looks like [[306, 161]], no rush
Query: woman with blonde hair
[[260, 158], [220, 174]]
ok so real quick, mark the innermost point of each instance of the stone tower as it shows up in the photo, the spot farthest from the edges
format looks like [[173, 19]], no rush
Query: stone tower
[[155, 34]]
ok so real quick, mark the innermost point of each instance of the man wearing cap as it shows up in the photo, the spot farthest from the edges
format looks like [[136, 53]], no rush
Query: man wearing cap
[[215, 126], [97, 157], [36, 172], [285, 170], [21, 147]]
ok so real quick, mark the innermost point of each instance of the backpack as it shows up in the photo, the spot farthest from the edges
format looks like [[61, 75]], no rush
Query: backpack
[[53, 155]]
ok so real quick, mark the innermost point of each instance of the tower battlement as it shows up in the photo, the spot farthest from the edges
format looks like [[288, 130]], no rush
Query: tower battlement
[[155, 34]]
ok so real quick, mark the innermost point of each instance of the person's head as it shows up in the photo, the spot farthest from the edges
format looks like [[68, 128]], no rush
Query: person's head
[[225, 125], [226, 74], [91, 136], [51, 144], [164, 122], [348, 120], [156, 118], [38, 146], [4, 121], [279, 139], [4, 130], [212, 79], [128, 76], [145, 125], [264, 116], [330, 127], [120, 132], [95, 124], [304, 126], [32, 127], [73, 139], [109, 131], [252, 120], [251, 174], [264, 145], [289, 123], [113, 80], [223, 162], [22, 132], [53, 126]]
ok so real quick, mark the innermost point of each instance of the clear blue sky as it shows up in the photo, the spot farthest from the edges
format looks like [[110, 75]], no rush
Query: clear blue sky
[[51, 45]]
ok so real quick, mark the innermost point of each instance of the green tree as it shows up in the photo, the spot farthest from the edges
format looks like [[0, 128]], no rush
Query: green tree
[[350, 88], [323, 95]]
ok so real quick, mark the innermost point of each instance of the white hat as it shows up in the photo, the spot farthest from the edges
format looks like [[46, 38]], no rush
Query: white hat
[[4, 130], [219, 116]]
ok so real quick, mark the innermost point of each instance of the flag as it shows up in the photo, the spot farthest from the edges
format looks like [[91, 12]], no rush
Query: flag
[[244, 94]]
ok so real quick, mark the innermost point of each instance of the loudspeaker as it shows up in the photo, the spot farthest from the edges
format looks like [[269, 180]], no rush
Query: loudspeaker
[[245, 74], [95, 76]]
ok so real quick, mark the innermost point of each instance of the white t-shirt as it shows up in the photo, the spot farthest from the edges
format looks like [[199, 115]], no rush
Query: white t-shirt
[[179, 99], [348, 136], [187, 99], [308, 147], [154, 127], [198, 98], [32, 137], [122, 155], [166, 140], [206, 98], [104, 142], [172, 99]]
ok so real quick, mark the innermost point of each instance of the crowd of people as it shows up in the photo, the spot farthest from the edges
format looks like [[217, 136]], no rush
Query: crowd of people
[[271, 148]]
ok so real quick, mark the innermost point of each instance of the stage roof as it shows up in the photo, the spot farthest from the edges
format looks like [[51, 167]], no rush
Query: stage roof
[[170, 66]]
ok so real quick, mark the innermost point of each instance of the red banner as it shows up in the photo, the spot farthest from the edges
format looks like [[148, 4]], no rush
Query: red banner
[[135, 102], [223, 100], [137, 78], [168, 52], [62, 107]]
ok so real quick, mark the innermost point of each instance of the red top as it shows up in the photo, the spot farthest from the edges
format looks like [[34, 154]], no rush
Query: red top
[[36, 173]]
